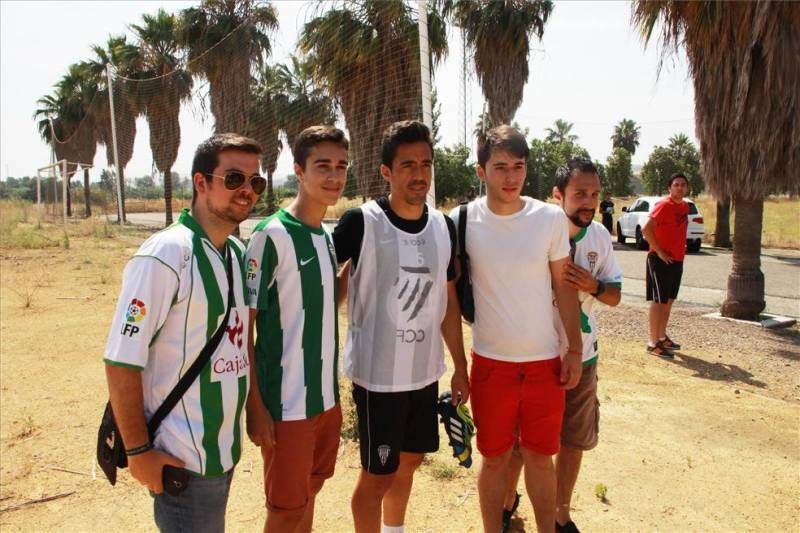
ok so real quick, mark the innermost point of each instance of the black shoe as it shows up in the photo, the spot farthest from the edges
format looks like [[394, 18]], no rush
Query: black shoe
[[670, 344], [660, 350], [569, 527], [508, 514]]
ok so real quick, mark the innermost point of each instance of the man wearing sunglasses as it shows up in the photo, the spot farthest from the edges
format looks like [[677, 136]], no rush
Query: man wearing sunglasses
[[293, 410], [174, 296]]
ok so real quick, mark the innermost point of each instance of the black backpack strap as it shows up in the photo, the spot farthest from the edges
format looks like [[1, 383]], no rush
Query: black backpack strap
[[462, 230], [205, 356]]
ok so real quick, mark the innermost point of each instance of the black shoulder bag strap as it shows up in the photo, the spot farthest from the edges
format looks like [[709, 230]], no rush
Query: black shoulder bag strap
[[205, 355], [462, 231]]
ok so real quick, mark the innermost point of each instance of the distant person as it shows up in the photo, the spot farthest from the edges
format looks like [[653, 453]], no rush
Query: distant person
[[174, 296], [519, 250], [665, 231], [293, 410], [607, 212], [401, 303]]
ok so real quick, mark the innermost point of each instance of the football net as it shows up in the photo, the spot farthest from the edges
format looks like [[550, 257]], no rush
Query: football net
[[354, 64]]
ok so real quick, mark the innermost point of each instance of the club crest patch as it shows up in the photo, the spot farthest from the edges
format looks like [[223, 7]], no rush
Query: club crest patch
[[383, 453]]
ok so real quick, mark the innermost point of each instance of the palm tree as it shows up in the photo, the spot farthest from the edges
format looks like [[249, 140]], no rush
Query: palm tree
[[483, 125], [366, 55], [746, 72], [224, 40], [499, 32], [71, 132], [56, 123], [165, 85], [560, 132], [125, 58], [285, 98], [306, 104], [264, 124], [626, 135]]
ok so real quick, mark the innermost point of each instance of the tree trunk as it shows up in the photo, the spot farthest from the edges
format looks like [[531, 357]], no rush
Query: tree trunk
[[745, 297], [121, 186], [69, 195], [722, 230], [271, 207], [87, 196], [168, 196]]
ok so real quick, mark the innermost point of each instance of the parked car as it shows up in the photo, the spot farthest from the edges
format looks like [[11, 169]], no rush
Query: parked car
[[633, 219]]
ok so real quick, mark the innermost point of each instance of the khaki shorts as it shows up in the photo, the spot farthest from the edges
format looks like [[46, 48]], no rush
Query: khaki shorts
[[305, 450], [581, 426]]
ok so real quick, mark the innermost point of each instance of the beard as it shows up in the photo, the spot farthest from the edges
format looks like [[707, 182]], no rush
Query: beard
[[228, 213], [578, 221]]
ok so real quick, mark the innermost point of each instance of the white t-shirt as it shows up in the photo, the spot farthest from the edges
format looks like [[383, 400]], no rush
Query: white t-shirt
[[595, 253], [173, 297], [510, 259]]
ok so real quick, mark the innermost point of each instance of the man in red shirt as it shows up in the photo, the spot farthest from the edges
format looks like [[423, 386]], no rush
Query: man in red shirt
[[665, 230]]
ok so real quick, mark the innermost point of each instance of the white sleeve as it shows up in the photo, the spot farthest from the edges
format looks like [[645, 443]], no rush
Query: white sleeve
[[149, 288], [559, 243], [609, 271]]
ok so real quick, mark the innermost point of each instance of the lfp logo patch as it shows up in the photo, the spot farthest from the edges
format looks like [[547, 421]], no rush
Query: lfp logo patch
[[252, 266], [135, 313]]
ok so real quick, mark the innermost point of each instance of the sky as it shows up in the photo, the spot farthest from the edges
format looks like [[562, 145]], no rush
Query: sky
[[591, 68]]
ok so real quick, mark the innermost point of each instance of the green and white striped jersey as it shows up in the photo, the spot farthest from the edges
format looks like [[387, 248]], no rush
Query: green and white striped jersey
[[173, 298], [291, 282], [595, 253]]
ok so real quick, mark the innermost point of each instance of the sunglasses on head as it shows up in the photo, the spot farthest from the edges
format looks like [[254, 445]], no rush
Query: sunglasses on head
[[235, 179]]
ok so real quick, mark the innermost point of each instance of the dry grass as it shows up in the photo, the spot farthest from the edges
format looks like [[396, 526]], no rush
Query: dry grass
[[47, 432], [781, 224]]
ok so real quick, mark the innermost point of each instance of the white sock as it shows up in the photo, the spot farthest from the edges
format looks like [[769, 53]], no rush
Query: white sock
[[392, 529], [662, 339]]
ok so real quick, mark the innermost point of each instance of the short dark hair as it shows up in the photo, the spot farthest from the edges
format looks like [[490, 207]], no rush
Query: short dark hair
[[575, 164], [676, 176], [314, 135], [403, 132], [503, 137], [206, 157]]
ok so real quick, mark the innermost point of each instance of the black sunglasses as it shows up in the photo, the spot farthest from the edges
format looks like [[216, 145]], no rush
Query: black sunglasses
[[235, 179]]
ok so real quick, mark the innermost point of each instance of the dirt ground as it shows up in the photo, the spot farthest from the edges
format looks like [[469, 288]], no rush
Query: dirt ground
[[707, 442]]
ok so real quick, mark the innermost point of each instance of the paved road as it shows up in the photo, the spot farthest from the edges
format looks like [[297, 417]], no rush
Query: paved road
[[705, 277], [705, 274]]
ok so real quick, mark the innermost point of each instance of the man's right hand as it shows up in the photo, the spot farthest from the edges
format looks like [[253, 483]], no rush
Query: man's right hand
[[260, 426], [664, 256], [571, 369], [146, 468]]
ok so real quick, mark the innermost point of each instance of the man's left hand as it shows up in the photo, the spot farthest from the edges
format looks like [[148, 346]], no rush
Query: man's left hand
[[459, 385], [579, 278]]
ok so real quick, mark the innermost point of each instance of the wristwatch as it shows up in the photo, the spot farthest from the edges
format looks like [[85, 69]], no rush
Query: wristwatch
[[601, 288]]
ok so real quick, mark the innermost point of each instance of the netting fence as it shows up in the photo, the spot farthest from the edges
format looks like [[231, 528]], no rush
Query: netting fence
[[356, 64]]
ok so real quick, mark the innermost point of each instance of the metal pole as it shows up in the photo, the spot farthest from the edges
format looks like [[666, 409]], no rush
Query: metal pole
[[64, 178], [464, 85], [114, 142], [425, 76]]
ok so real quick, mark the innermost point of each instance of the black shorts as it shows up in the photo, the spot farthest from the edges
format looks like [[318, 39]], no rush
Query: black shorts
[[391, 422], [663, 280]]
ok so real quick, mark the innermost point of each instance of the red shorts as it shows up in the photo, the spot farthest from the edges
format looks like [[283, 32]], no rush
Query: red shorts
[[506, 396], [305, 450]]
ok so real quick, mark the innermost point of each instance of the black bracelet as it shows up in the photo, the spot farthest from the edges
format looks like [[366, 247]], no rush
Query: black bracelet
[[139, 449]]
